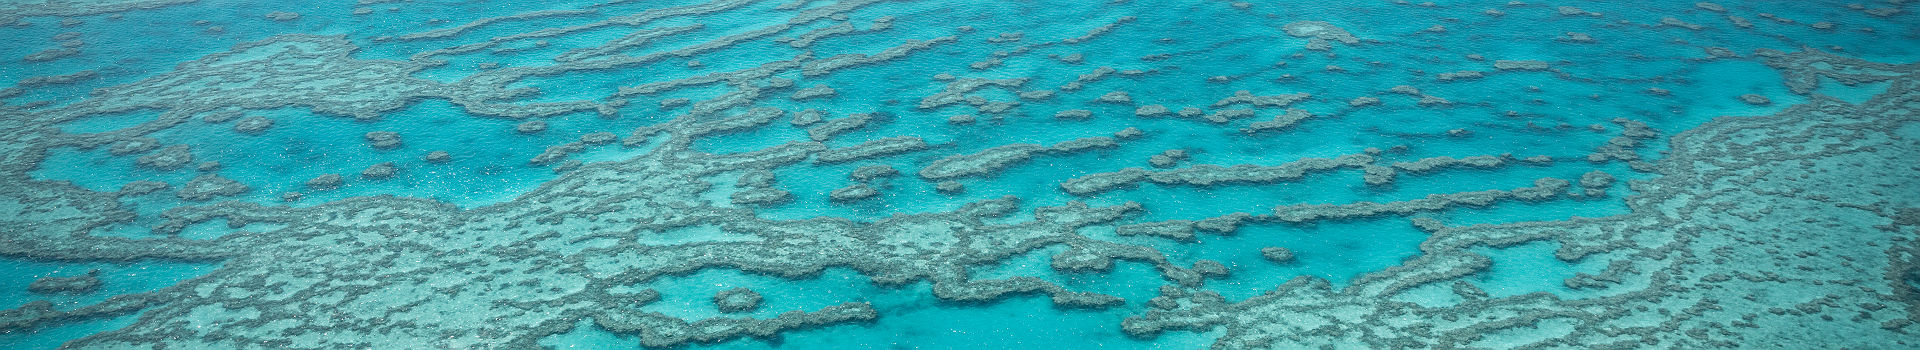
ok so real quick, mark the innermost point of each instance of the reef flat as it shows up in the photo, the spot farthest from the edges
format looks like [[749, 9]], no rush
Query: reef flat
[[891, 174]]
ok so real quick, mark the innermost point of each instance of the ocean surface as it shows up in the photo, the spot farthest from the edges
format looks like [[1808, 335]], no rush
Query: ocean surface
[[1029, 174]]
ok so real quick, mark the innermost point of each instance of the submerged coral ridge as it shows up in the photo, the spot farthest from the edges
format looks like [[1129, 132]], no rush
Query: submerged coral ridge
[[858, 174]]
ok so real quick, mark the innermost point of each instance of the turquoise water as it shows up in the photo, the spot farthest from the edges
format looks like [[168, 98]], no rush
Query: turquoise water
[[935, 174]]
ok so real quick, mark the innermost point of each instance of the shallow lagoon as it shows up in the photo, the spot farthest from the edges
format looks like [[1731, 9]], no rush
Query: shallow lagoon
[[1044, 174]]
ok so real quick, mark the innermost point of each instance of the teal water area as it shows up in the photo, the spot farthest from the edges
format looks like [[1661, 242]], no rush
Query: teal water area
[[115, 279], [1410, 60]]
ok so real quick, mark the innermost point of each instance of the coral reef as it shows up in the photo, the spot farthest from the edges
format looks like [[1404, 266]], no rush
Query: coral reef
[[570, 171]]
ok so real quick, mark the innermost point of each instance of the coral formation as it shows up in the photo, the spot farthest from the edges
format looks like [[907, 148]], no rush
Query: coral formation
[[583, 171]]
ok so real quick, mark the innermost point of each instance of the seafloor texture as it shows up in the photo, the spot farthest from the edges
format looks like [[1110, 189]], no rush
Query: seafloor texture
[[807, 174]]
